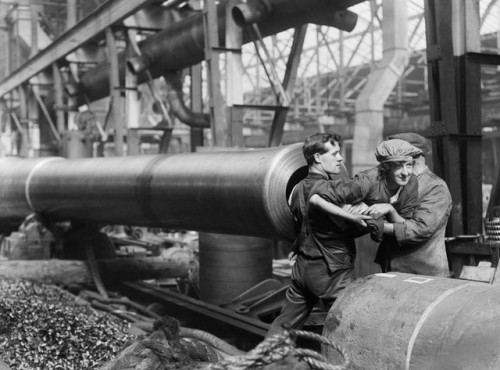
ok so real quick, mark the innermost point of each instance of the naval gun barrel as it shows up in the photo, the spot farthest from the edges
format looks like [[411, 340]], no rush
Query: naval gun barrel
[[240, 192], [183, 43]]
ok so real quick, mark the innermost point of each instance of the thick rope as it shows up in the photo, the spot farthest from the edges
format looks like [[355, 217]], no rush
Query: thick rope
[[327, 342], [211, 340], [162, 352], [270, 350], [281, 345]]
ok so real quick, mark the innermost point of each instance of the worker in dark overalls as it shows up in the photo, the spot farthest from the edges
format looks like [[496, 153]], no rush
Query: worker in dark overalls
[[325, 248]]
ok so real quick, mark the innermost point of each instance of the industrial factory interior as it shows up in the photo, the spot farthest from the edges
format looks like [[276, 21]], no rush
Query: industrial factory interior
[[249, 184]]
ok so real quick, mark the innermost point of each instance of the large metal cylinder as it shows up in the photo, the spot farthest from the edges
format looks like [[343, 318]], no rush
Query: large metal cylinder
[[402, 321], [232, 264], [241, 192], [183, 44]]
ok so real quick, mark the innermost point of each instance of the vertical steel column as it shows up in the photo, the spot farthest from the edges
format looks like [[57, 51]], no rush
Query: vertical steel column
[[34, 9], [71, 13], [452, 29], [115, 93], [196, 89], [196, 134], [29, 122], [341, 72], [132, 103], [24, 146], [5, 41], [71, 20], [59, 98], [218, 120], [467, 16], [4, 71], [443, 104], [33, 122], [317, 82], [234, 77]]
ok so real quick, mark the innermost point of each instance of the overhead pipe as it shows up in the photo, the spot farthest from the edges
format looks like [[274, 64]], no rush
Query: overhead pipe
[[250, 12], [240, 192], [183, 44], [177, 105], [274, 17]]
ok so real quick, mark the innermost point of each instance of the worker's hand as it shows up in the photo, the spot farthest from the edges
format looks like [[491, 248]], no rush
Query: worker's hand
[[385, 209], [359, 208], [359, 219]]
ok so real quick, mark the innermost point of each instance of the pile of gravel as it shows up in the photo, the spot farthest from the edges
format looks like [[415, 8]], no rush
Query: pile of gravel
[[43, 327]]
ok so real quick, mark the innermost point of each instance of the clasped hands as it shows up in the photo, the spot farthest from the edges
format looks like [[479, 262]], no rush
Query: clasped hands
[[361, 212]]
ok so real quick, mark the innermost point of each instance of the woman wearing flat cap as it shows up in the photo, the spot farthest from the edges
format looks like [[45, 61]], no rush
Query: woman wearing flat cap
[[389, 189], [422, 248]]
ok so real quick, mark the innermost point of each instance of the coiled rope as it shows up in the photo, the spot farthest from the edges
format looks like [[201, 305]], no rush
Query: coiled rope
[[281, 345]]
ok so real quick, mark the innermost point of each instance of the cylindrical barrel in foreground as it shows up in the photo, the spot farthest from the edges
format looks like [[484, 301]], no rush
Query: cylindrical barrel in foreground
[[402, 321], [232, 192]]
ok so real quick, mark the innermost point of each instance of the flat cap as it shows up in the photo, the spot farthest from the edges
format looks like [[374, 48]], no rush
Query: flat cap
[[414, 139], [396, 150]]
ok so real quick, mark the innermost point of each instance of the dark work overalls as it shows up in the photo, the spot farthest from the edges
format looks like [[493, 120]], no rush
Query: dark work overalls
[[325, 257]]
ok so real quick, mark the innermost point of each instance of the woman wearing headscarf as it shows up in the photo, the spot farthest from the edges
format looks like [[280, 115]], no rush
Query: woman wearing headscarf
[[387, 191]]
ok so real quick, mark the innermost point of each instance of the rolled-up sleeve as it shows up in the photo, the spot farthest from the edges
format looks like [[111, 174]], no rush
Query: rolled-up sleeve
[[432, 211]]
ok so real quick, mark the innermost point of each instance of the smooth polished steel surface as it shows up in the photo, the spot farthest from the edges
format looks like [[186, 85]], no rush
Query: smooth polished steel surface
[[183, 44], [241, 192]]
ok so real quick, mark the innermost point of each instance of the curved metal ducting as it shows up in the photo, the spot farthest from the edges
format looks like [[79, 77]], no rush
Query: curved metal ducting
[[183, 44], [177, 105], [401, 321], [232, 192], [250, 12]]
